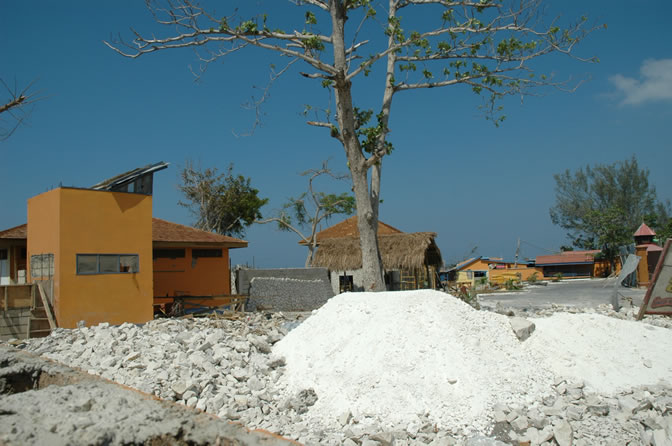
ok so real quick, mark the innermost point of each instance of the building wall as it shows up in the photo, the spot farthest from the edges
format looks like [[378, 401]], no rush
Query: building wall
[[94, 222], [521, 273], [44, 230], [568, 271], [203, 276]]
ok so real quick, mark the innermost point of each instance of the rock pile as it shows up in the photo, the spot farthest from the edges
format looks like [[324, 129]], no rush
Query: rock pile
[[250, 370], [641, 416], [221, 366]]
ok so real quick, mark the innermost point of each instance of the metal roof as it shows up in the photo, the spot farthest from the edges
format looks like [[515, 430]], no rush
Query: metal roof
[[128, 177]]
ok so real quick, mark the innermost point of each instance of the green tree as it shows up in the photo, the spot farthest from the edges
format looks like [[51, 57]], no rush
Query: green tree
[[485, 45], [223, 203], [602, 206], [610, 232], [304, 213]]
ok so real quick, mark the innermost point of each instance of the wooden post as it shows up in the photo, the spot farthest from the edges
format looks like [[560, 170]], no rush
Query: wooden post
[[47, 307], [6, 287]]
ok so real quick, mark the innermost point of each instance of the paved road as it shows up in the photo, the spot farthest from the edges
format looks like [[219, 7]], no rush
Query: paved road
[[577, 293]]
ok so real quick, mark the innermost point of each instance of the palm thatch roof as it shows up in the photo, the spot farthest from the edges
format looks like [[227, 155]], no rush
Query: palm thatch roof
[[348, 228], [398, 251]]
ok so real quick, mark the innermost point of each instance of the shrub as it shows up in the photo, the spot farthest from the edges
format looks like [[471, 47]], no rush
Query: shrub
[[557, 277], [534, 277]]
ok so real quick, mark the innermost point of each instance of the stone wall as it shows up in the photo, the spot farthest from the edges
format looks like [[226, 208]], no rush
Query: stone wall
[[285, 289]]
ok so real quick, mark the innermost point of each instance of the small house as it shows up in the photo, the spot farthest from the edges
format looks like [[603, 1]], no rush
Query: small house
[[410, 260], [573, 264]]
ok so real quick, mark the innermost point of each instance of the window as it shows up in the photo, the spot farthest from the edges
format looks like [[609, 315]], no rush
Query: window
[[196, 253], [345, 283], [168, 253], [107, 263]]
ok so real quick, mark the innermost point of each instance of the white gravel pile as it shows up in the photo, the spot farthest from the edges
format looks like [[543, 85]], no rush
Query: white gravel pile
[[397, 368], [608, 354], [396, 359]]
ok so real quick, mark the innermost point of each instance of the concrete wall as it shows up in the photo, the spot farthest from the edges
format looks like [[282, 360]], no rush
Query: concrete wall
[[285, 289], [14, 324], [203, 276], [357, 279]]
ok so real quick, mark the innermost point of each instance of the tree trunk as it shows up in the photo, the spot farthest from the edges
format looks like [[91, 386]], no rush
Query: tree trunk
[[309, 259], [367, 217]]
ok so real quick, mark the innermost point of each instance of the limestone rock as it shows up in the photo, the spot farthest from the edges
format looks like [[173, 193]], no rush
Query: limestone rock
[[522, 327]]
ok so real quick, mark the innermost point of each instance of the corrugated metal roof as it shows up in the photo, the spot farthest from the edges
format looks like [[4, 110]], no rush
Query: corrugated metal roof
[[128, 177]]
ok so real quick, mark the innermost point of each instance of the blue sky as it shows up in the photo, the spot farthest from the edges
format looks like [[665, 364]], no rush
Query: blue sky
[[452, 172]]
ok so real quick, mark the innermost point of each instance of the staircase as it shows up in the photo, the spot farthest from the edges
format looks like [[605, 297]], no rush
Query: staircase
[[41, 320]]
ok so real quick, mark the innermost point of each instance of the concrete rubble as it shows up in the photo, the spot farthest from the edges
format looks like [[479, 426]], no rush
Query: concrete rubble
[[225, 367], [46, 403]]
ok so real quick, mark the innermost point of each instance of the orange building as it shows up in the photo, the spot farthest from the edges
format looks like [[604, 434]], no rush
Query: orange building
[[99, 255], [574, 264], [491, 269], [95, 248], [191, 262]]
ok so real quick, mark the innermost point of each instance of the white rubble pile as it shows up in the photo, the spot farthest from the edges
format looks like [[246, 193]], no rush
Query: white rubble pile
[[220, 366], [396, 368], [396, 359], [610, 355]]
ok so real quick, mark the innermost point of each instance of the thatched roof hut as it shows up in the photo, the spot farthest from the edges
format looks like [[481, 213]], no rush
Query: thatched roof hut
[[398, 251]]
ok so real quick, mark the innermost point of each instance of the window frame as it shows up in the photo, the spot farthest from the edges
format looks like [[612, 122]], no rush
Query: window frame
[[207, 253], [98, 271], [169, 253]]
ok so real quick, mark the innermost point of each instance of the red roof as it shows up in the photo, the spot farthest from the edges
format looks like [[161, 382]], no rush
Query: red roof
[[162, 231], [644, 230], [568, 257], [650, 247], [348, 228], [16, 233], [168, 232]]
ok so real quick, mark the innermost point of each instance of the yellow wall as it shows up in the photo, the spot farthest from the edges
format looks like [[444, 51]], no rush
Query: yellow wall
[[520, 273], [643, 273], [44, 229], [95, 222], [204, 276]]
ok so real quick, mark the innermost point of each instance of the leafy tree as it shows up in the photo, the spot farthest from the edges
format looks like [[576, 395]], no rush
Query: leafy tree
[[485, 45], [602, 206], [610, 232], [310, 208], [223, 203]]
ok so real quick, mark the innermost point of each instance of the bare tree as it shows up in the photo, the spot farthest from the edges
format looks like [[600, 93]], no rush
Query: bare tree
[[310, 208], [486, 45], [16, 109]]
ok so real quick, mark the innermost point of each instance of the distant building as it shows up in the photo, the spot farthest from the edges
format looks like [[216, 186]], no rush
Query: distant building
[[573, 264], [649, 253], [491, 269]]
